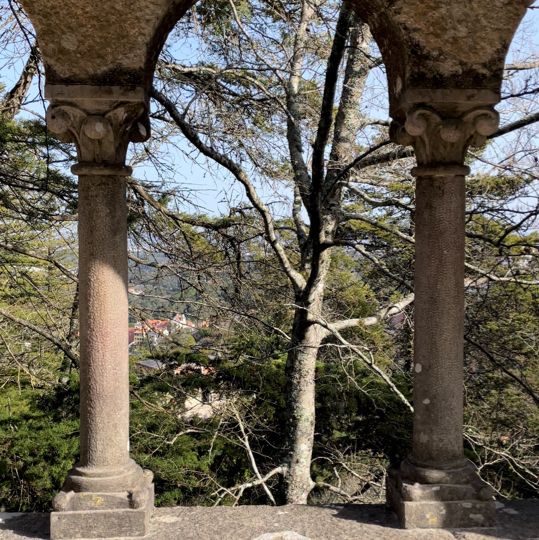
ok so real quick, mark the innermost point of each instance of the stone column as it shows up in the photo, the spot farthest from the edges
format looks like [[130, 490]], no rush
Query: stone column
[[436, 486], [439, 316], [106, 494]]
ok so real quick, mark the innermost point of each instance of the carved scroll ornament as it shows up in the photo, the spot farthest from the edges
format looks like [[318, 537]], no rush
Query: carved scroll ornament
[[101, 138], [444, 140]]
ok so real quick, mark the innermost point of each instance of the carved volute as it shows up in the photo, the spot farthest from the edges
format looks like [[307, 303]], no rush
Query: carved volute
[[100, 121], [439, 138]]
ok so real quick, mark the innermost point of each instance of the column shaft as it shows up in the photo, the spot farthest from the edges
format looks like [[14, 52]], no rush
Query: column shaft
[[439, 321], [104, 365]]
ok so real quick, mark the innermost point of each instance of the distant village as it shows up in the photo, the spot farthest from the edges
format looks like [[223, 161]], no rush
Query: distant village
[[152, 331]]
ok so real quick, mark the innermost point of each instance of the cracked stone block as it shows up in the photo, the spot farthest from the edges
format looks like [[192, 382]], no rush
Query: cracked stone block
[[104, 515]]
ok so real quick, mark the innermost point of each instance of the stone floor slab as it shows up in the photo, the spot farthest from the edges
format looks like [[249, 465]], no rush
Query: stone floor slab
[[517, 520]]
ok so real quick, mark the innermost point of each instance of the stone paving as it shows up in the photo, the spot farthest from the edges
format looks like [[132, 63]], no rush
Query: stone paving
[[517, 520]]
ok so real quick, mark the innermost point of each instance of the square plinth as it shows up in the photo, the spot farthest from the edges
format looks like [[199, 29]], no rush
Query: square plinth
[[435, 506], [104, 515]]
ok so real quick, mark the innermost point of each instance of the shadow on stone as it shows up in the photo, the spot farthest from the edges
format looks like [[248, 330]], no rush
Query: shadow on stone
[[25, 525], [515, 520], [369, 514]]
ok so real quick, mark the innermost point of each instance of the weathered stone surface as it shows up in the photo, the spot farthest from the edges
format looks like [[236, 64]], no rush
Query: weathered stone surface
[[436, 486], [100, 41], [435, 44], [454, 37], [427, 506], [442, 131], [282, 535], [425, 43], [101, 121], [106, 494], [518, 520], [104, 515], [117, 523]]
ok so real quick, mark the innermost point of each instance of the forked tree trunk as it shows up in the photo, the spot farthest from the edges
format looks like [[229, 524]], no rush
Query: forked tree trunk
[[325, 200]]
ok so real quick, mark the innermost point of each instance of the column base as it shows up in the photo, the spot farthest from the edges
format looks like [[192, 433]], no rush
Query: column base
[[425, 498], [103, 514]]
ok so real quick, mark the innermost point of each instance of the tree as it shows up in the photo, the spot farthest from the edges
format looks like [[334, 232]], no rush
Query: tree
[[318, 189], [283, 110]]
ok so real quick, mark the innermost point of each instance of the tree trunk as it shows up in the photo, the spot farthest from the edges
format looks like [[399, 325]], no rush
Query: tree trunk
[[307, 336], [301, 410]]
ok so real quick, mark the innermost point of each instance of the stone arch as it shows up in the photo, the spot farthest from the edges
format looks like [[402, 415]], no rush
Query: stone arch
[[428, 44]]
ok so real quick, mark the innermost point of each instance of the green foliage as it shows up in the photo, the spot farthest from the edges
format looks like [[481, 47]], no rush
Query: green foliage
[[37, 449], [356, 411], [502, 373], [217, 15], [347, 294], [190, 459]]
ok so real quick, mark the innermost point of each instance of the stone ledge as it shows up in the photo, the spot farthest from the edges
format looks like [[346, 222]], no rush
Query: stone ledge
[[518, 520]]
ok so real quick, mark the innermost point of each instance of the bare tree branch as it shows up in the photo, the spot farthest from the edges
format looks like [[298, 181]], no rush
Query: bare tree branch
[[62, 345], [523, 122], [330, 84], [409, 239], [522, 66], [237, 491], [51, 260], [380, 316], [251, 456], [368, 361], [295, 145], [13, 100], [500, 365], [214, 225], [298, 281]]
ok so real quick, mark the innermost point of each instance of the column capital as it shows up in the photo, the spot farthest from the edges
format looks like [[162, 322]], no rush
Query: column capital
[[441, 136], [101, 121]]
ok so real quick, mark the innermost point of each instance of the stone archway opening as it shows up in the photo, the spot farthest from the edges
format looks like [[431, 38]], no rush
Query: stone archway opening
[[444, 69]]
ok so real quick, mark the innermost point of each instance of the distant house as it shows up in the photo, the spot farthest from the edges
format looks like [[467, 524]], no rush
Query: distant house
[[159, 326], [181, 322], [150, 365], [149, 331], [137, 335]]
